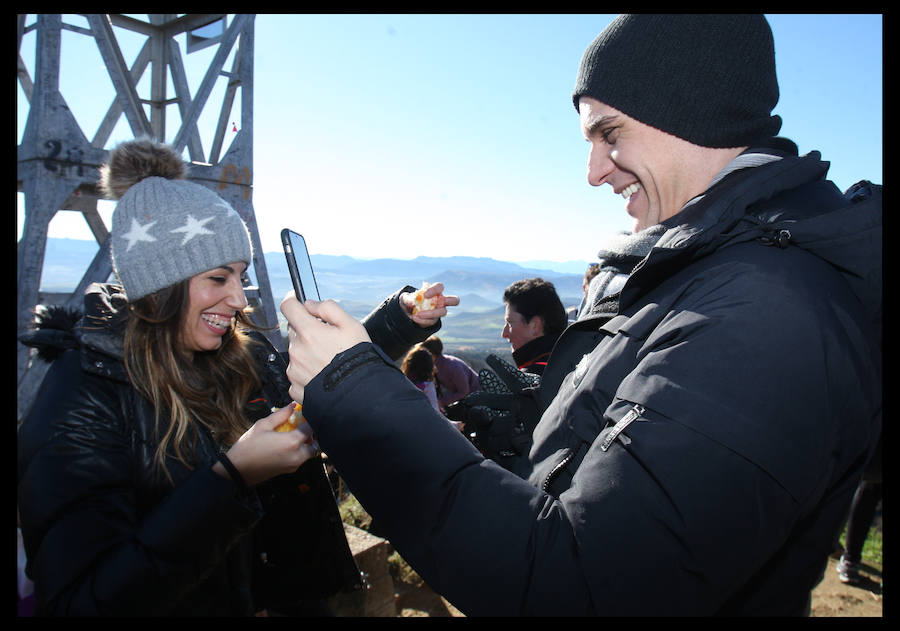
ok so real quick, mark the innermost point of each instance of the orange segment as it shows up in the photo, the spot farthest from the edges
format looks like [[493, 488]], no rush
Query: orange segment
[[421, 303], [293, 421]]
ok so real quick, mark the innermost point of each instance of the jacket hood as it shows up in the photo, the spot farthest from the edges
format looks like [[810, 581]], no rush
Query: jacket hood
[[785, 202], [96, 328]]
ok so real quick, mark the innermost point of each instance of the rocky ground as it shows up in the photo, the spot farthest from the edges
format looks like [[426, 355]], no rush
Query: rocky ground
[[833, 599]]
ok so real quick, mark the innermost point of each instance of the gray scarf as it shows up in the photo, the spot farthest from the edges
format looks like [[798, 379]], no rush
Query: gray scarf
[[621, 253], [618, 256]]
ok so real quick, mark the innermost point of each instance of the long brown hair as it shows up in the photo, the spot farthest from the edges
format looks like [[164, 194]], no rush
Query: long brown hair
[[207, 388]]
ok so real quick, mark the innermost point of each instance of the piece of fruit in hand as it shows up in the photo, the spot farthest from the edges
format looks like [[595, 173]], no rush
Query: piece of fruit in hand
[[293, 420], [421, 303]]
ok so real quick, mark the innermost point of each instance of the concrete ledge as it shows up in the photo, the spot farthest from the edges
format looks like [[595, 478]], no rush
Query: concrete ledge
[[370, 553]]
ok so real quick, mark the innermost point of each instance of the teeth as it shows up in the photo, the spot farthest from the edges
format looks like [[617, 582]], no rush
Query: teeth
[[216, 321], [631, 190]]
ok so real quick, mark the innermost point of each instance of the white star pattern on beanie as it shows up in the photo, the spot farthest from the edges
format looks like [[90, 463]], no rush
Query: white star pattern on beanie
[[193, 228], [138, 233]]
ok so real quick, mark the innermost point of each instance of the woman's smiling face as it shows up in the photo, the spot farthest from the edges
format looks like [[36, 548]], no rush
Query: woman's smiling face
[[213, 298]]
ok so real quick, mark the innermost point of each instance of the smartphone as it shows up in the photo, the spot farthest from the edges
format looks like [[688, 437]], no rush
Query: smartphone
[[299, 265]]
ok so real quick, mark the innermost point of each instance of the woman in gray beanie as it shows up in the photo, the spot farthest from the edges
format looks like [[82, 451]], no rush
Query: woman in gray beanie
[[155, 475]]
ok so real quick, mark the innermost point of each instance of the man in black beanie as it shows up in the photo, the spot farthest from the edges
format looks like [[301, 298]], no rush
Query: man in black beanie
[[703, 426], [707, 81]]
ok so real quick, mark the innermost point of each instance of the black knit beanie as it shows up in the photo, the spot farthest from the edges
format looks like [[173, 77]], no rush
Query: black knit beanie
[[707, 79]]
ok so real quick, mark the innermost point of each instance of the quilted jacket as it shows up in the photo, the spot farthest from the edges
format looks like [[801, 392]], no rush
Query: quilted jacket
[[698, 447], [107, 536]]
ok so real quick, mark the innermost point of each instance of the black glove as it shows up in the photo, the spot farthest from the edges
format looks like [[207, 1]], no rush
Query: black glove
[[502, 415], [506, 378]]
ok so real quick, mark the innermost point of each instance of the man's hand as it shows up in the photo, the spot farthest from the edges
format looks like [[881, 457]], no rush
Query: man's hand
[[317, 332]]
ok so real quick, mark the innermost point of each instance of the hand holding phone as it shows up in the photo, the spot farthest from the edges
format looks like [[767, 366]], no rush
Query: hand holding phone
[[299, 266]]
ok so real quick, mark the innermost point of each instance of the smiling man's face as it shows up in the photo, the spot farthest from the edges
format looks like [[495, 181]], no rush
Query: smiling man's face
[[656, 172]]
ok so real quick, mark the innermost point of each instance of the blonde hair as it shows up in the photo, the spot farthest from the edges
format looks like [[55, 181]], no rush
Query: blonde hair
[[209, 388]]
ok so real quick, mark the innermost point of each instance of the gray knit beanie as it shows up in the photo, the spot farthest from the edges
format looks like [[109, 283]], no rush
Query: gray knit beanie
[[707, 79], [165, 229]]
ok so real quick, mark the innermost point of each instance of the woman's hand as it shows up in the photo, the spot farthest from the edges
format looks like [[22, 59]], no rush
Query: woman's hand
[[427, 318], [317, 331], [262, 453]]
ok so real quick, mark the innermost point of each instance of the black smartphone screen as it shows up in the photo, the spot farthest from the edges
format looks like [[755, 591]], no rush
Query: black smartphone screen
[[299, 266]]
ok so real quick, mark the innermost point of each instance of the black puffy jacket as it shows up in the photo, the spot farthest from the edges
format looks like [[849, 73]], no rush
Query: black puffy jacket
[[697, 452], [105, 535]]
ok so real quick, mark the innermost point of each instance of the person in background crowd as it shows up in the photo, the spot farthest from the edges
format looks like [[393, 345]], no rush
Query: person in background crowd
[[24, 586], [862, 515], [418, 366], [533, 321], [592, 270], [455, 378]]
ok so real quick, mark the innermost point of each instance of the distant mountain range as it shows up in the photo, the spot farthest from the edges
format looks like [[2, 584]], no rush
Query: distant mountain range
[[360, 285]]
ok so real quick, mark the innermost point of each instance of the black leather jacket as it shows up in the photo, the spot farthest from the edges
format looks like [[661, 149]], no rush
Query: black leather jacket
[[105, 535]]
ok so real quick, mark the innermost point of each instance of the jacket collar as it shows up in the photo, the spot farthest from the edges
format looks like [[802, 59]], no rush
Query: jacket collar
[[720, 214], [101, 328], [536, 350], [97, 328]]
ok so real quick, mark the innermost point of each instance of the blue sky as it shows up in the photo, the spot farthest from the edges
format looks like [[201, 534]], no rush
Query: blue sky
[[406, 135]]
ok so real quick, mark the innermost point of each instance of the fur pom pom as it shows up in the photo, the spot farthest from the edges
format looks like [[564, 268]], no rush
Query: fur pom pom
[[53, 331], [132, 161], [56, 317]]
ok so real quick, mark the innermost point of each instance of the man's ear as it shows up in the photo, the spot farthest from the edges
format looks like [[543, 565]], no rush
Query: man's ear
[[536, 325]]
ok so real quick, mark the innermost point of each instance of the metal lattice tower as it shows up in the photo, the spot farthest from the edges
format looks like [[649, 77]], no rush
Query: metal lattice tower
[[58, 166]]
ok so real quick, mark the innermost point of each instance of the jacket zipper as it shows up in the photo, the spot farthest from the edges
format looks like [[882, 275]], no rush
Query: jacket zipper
[[634, 413], [555, 471]]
